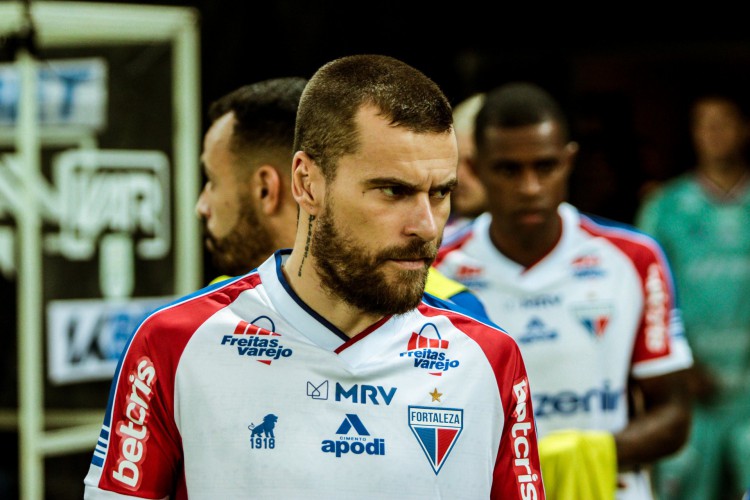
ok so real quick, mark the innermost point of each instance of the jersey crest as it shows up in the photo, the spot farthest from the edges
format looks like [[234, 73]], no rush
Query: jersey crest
[[594, 318], [437, 431]]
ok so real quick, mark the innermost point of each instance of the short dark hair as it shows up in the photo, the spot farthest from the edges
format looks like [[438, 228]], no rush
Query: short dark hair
[[517, 104], [723, 96], [265, 113], [326, 128]]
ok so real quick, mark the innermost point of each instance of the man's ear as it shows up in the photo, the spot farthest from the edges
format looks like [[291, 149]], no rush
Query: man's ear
[[571, 153], [268, 188], [308, 183]]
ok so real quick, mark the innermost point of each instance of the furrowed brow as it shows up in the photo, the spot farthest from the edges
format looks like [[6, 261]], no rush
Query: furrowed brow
[[390, 181], [393, 181], [450, 185]]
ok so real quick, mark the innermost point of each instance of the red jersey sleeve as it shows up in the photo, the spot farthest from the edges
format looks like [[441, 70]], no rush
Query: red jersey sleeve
[[139, 451], [517, 470]]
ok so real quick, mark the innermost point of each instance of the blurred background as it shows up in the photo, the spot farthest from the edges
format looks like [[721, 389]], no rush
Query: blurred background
[[625, 73]]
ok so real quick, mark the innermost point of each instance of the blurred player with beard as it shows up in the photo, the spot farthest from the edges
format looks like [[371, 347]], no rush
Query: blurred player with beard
[[246, 206], [332, 346]]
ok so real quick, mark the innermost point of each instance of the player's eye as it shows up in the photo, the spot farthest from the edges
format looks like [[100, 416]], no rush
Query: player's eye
[[546, 166], [507, 168], [394, 191], [441, 193]]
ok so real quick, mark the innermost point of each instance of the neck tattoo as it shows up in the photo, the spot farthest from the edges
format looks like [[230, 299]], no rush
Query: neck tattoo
[[307, 243]]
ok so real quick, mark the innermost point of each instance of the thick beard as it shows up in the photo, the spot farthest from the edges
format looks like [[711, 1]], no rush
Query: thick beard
[[349, 272], [246, 246]]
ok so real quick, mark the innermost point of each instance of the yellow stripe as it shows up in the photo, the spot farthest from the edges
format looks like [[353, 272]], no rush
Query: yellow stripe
[[219, 278], [441, 286]]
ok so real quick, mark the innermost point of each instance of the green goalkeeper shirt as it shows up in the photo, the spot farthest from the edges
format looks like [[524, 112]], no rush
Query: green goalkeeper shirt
[[706, 236]]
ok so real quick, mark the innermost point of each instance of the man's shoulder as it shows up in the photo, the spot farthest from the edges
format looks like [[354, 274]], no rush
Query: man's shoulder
[[629, 240], [468, 322], [191, 310], [451, 290], [663, 195], [615, 230]]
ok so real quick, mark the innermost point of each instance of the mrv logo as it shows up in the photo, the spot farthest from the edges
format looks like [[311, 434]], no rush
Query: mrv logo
[[598, 400], [252, 340], [356, 442], [364, 394], [427, 349]]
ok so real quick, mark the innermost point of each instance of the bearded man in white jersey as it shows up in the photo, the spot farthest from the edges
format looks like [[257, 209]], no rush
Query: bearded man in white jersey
[[327, 372], [246, 205], [590, 303]]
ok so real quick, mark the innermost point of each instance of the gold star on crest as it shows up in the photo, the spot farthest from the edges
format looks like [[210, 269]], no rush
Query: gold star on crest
[[436, 395]]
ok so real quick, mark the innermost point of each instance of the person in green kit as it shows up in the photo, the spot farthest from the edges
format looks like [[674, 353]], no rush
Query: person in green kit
[[702, 219]]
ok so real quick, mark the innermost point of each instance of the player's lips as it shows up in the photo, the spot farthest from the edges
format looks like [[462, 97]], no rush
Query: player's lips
[[416, 255], [412, 263], [531, 216], [412, 260]]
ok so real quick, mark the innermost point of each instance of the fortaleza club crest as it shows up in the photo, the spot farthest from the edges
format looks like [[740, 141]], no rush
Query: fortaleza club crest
[[252, 339], [428, 350], [594, 317], [437, 431]]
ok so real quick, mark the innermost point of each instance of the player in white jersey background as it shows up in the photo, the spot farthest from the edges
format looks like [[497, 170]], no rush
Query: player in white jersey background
[[246, 206], [327, 372], [468, 200], [591, 304]]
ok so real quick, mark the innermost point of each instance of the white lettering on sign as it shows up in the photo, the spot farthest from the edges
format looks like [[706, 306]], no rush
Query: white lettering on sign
[[96, 193], [70, 92], [86, 336], [111, 191]]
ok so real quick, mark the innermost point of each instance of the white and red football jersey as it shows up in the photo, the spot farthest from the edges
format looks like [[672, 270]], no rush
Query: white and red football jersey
[[599, 308], [242, 391]]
